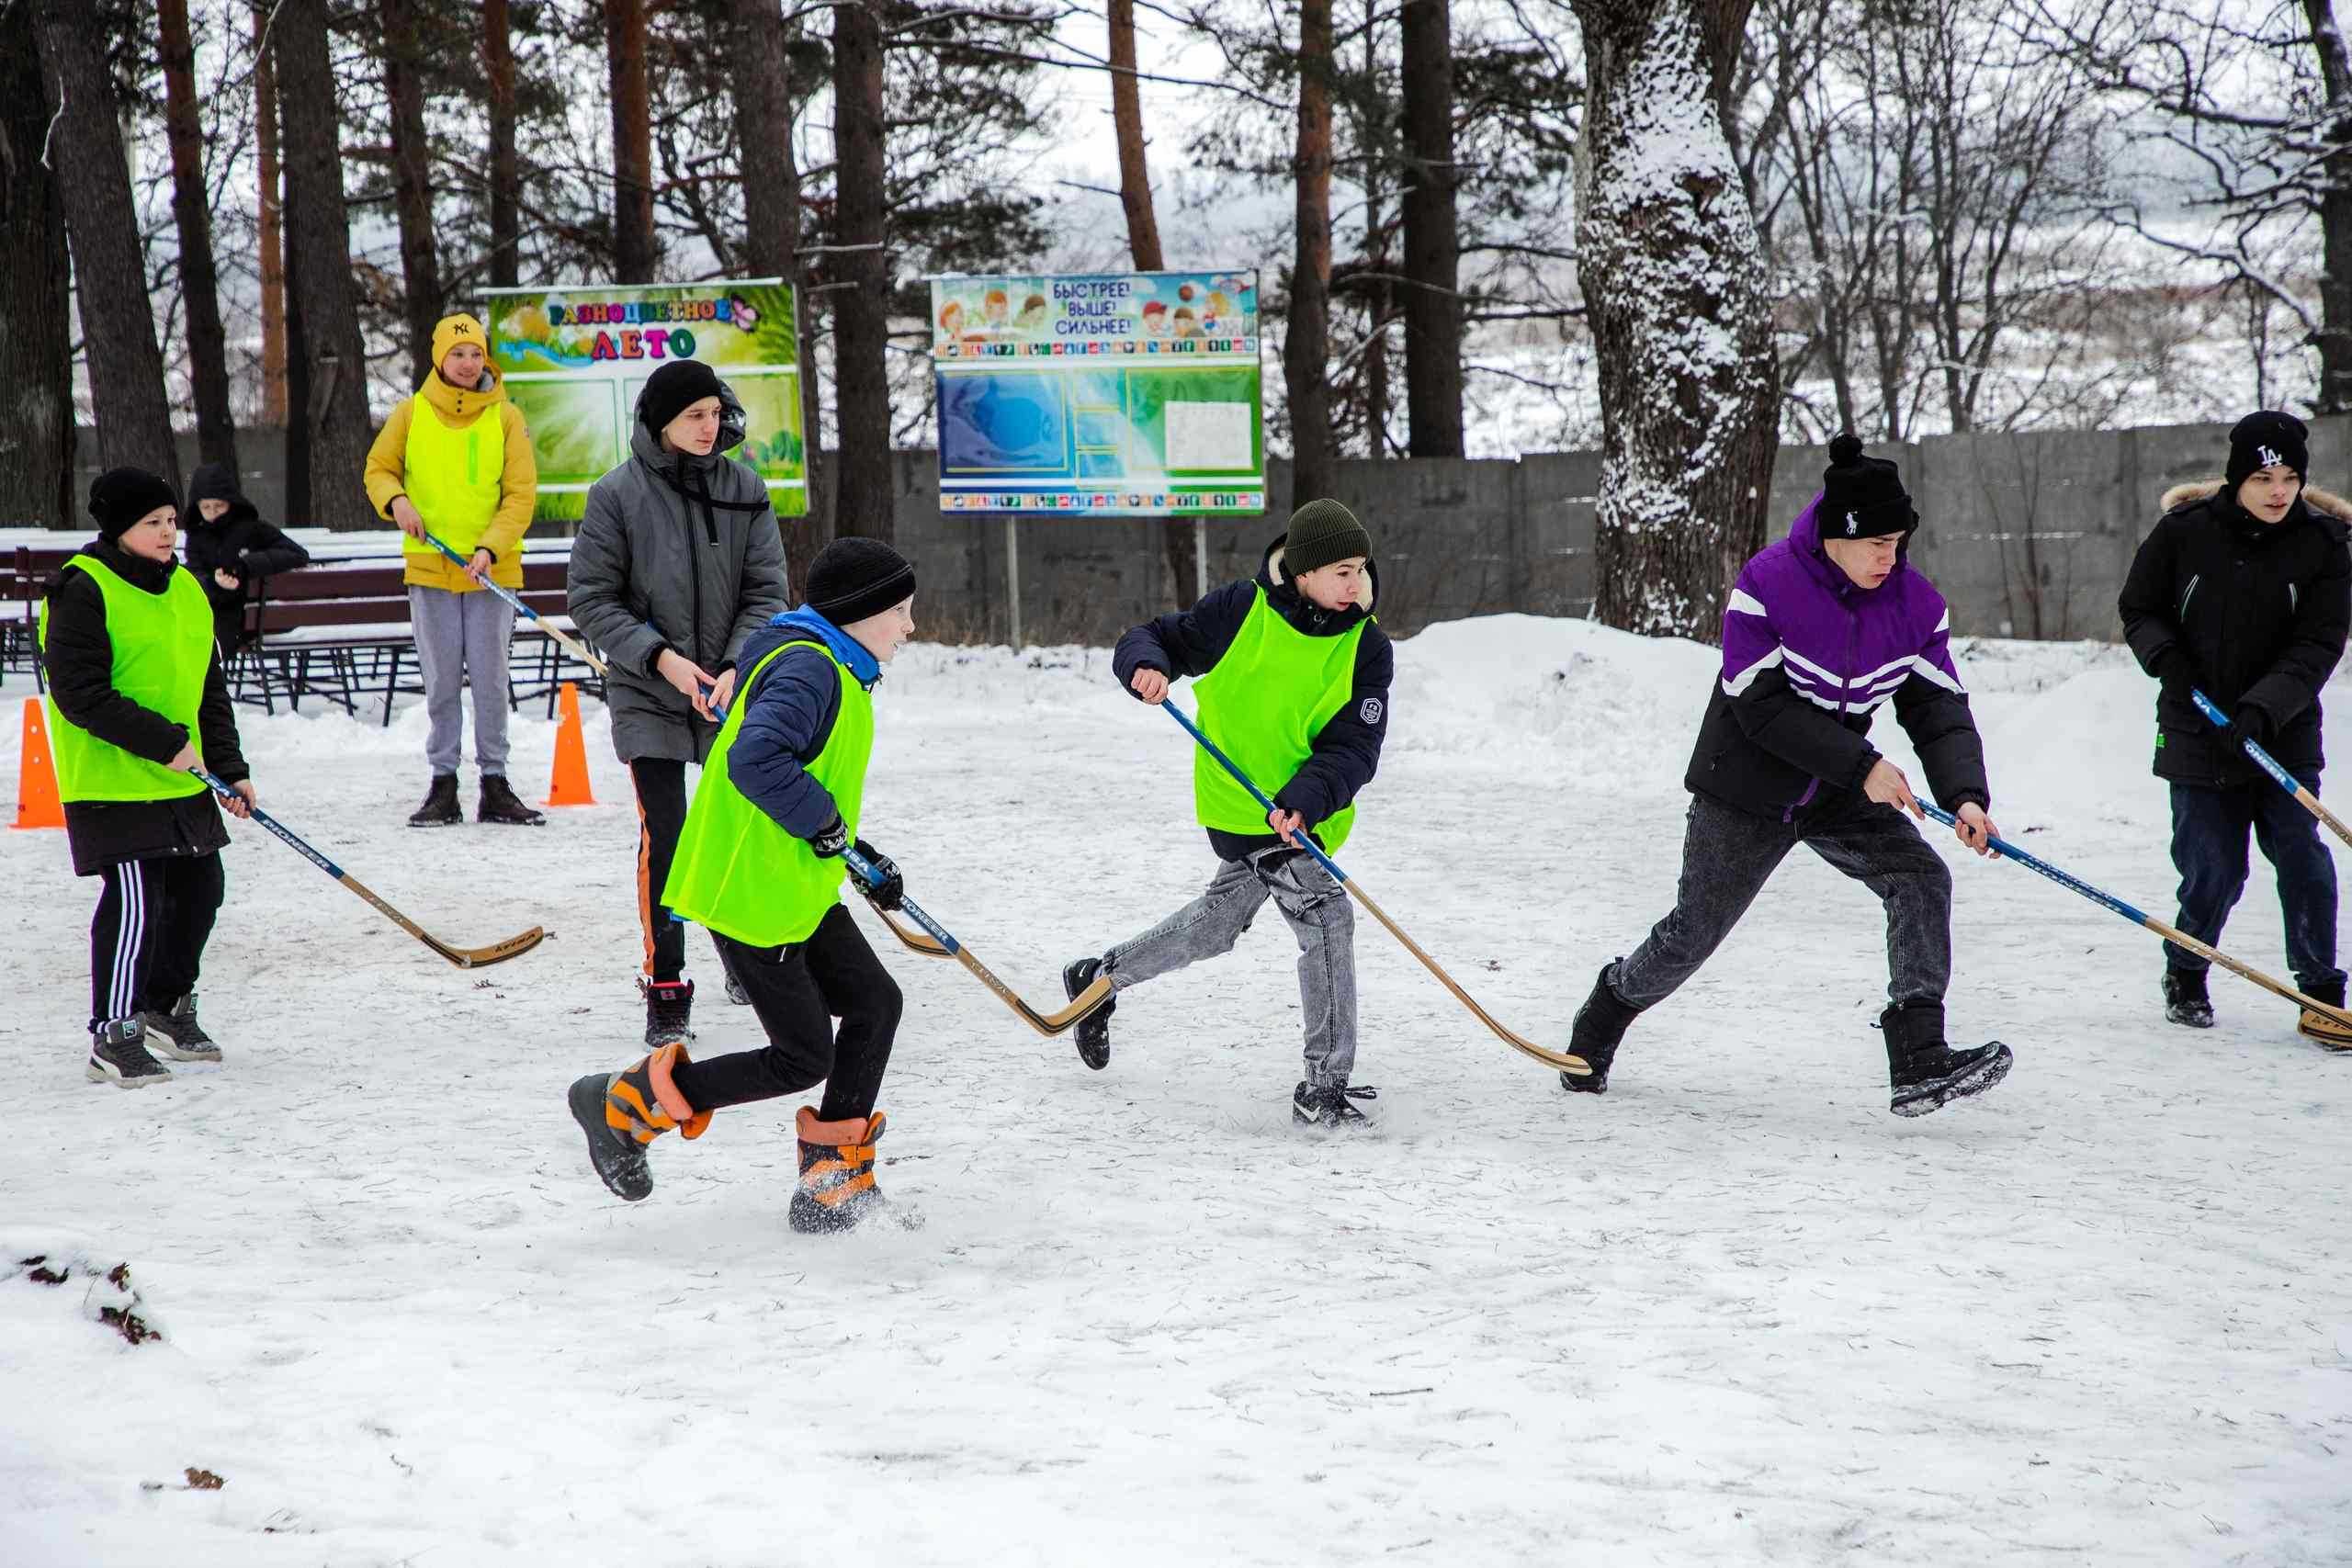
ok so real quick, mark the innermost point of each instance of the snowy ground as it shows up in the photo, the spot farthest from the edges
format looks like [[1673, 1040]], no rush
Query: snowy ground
[[1732, 1312]]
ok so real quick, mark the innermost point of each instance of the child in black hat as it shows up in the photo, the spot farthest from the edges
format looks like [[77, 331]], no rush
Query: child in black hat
[[136, 700], [230, 548], [2244, 590]]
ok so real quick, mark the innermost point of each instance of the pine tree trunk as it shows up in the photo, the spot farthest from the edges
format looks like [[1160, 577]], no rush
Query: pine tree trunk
[[412, 181], [35, 302], [334, 411], [102, 226], [1377, 292], [633, 255], [1433, 242], [207, 344], [2334, 212], [273, 263], [1307, 342], [505, 178], [1673, 282], [867, 503]]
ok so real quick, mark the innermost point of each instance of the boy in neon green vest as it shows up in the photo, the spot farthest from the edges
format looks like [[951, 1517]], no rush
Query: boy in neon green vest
[[455, 460], [136, 699], [1292, 676], [759, 864]]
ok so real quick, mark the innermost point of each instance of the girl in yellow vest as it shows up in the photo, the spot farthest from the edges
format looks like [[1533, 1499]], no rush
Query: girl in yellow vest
[[136, 699], [455, 460], [759, 865]]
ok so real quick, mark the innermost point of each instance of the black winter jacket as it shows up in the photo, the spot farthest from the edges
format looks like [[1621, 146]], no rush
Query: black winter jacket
[[1346, 753], [241, 544], [79, 660], [2261, 611]]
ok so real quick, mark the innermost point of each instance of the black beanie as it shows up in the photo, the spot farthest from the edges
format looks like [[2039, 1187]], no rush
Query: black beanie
[[853, 578], [1321, 532], [2261, 440], [1862, 497], [120, 497], [670, 389]]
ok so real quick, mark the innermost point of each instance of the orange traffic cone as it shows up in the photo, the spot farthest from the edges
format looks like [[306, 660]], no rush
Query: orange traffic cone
[[571, 785], [37, 805]]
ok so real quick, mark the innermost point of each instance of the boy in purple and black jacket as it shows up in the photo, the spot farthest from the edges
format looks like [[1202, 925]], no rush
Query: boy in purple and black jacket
[[1822, 627]]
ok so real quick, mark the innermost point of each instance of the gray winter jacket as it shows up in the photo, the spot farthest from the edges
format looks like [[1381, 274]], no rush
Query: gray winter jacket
[[680, 552]]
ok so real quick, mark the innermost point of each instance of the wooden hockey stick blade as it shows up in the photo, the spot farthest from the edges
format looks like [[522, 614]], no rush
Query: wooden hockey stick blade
[[2246, 972], [1577, 1065], [915, 940], [2312, 805], [1046, 1023], [463, 957]]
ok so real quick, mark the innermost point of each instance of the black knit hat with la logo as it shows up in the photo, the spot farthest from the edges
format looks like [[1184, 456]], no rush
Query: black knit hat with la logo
[[2268, 440], [1862, 497]]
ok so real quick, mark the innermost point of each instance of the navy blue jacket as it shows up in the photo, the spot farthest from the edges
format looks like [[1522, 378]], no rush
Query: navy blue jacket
[[792, 704], [1345, 752]]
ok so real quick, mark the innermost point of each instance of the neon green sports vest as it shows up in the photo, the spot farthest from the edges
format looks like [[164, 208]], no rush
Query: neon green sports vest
[[452, 476], [1263, 704], [737, 871], [162, 649]]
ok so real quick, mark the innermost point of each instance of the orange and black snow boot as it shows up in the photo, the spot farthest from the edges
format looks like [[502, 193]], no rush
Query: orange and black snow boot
[[836, 1191], [623, 1113]]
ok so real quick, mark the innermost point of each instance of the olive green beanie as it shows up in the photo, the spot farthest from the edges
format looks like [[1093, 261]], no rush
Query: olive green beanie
[[1320, 532]]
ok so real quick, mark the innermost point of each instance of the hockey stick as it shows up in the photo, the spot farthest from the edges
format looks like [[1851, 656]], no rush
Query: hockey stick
[[463, 957], [2178, 938], [580, 650], [942, 943], [2269, 764], [1566, 1063]]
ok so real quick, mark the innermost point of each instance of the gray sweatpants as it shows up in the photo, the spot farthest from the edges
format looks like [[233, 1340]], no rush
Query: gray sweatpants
[[1316, 908], [461, 638], [1727, 857]]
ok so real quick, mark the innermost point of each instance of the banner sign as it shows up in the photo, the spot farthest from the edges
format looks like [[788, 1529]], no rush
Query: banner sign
[[1112, 394], [574, 360]]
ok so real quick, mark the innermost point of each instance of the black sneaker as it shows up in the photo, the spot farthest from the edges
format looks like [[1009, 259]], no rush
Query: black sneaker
[[440, 808], [1093, 1030], [175, 1032], [2185, 999], [119, 1055], [669, 1012], [1601, 1023], [619, 1161], [1327, 1105], [1926, 1074], [499, 803]]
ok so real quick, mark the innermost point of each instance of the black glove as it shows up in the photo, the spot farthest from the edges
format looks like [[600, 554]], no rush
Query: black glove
[[831, 840], [2250, 724], [886, 888], [2175, 671]]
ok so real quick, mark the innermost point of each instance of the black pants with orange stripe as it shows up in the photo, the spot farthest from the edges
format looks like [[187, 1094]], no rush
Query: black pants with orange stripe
[[661, 818], [797, 991]]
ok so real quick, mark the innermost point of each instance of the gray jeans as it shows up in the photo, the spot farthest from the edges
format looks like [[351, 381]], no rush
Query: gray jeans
[[1316, 908], [1727, 855], [461, 638]]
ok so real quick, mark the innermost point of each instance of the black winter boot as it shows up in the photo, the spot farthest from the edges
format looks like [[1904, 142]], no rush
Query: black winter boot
[[623, 1113], [1094, 1028], [669, 1012], [1326, 1105], [836, 1191], [1926, 1072], [500, 804], [175, 1032], [119, 1055], [2318, 1025], [440, 808], [1601, 1023], [2185, 999]]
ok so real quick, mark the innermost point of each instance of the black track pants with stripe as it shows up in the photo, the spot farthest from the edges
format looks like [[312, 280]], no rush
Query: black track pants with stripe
[[147, 939]]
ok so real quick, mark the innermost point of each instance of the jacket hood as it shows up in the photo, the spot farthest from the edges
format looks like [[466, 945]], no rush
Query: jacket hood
[[2325, 502], [804, 625], [462, 405], [647, 444], [215, 481], [1805, 542], [1274, 577]]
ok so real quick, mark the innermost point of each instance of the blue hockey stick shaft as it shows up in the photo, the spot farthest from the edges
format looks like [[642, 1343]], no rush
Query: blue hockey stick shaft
[[1304, 840], [2269, 764], [520, 608]]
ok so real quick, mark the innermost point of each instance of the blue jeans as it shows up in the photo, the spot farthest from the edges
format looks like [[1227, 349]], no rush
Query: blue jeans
[[2209, 829]]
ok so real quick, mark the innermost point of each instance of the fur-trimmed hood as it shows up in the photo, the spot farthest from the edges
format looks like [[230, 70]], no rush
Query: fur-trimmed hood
[[2318, 500]]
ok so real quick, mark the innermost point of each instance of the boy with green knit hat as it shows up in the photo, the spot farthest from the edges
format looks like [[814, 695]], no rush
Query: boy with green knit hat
[[1292, 676]]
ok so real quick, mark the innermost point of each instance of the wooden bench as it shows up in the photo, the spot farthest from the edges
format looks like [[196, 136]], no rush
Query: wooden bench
[[24, 572]]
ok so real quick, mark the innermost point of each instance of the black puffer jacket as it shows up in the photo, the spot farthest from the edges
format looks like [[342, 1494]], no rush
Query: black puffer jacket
[[79, 658], [241, 544], [2261, 610]]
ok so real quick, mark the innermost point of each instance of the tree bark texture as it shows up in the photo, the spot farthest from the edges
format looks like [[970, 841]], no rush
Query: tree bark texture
[[1307, 342], [505, 170], [271, 212], [2334, 212], [102, 226], [633, 252], [207, 344], [866, 503], [35, 321], [334, 411], [1674, 284], [1432, 234], [421, 300]]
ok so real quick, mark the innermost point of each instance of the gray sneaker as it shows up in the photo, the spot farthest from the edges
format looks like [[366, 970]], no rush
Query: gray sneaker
[[119, 1055], [175, 1032]]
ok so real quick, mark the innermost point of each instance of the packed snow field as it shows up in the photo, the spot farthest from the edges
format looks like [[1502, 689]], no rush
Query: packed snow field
[[1733, 1312]]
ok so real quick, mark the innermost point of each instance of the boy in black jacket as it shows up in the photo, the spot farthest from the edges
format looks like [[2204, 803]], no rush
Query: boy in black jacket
[[136, 699], [228, 546], [1294, 686], [2244, 590]]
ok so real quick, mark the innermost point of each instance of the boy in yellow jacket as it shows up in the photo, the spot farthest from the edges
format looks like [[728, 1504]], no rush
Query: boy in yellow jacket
[[455, 460]]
